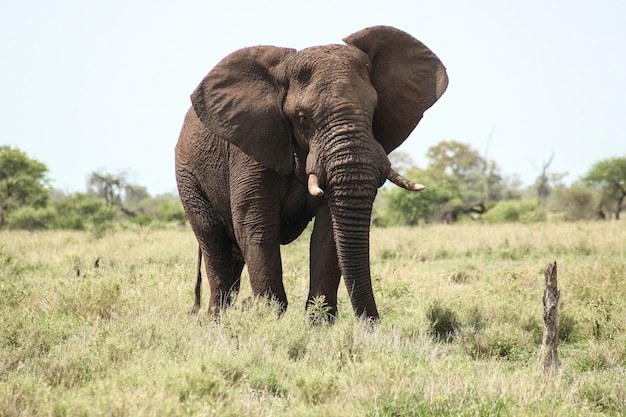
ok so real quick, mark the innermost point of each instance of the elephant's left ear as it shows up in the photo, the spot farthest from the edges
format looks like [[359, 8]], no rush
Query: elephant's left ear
[[408, 77], [240, 101]]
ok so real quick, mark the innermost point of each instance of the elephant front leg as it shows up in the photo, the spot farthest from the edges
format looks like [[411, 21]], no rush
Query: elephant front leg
[[256, 222], [324, 266], [265, 271]]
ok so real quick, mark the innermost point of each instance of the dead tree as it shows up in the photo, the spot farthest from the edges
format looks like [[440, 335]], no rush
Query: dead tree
[[543, 182], [550, 340]]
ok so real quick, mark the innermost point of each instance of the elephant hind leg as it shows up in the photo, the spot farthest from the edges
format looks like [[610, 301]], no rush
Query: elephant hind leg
[[223, 274], [237, 269], [222, 269]]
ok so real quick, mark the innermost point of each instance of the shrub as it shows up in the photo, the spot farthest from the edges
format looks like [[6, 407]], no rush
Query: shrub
[[83, 212], [169, 210], [30, 218], [165, 208], [577, 202], [443, 321], [511, 211], [503, 342]]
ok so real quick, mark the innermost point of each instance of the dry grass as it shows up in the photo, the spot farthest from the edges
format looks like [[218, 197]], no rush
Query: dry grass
[[460, 332]]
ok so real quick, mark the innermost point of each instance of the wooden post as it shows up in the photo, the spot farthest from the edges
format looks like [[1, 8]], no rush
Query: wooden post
[[550, 341]]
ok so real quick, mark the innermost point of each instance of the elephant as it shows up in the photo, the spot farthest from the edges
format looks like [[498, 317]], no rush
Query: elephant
[[276, 137]]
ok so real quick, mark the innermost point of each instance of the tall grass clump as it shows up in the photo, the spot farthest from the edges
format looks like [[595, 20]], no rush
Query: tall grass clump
[[443, 320]]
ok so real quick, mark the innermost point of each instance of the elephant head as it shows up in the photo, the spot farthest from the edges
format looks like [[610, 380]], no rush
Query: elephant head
[[328, 115]]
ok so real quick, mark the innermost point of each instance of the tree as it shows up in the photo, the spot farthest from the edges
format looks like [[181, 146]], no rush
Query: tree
[[455, 158], [134, 194], [442, 195], [577, 202], [543, 181], [108, 186], [478, 178], [458, 181], [610, 176], [23, 182]]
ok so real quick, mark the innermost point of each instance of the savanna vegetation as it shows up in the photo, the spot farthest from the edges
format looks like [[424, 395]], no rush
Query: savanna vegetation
[[96, 289], [101, 326], [462, 186], [110, 201]]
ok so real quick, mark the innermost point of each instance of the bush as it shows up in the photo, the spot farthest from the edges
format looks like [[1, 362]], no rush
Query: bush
[[83, 212], [577, 202], [169, 209], [511, 211], [30, 218], [142, 219], [164, 208], [404, 208]]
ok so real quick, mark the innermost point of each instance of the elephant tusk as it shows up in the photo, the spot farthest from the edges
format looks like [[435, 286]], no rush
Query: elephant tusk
[[314, 186], [402, 182]]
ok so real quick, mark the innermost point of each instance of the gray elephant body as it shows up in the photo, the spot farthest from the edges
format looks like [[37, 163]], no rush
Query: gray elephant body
[[277, 137]]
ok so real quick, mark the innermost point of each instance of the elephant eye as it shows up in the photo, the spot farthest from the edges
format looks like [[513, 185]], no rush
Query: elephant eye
[[302, 119]]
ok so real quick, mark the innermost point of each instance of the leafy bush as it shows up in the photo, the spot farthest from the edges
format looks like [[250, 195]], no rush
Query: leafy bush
[[83, 212], [511, 211], [165, 208], [408, 208], [577, 202], [31, 218], [169, 209]]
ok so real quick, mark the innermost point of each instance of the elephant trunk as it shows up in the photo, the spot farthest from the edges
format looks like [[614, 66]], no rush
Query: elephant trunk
[[350, 192], [351, 228]]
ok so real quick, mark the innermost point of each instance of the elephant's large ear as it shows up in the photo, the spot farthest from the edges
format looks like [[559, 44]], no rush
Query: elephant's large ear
[[408, 77], [240, 101]]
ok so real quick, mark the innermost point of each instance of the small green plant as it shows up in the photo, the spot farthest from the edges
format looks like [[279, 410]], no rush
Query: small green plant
[[443, 321], [318, 312]]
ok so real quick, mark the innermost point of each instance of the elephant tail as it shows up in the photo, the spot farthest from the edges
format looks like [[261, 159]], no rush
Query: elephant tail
[[196, 304]]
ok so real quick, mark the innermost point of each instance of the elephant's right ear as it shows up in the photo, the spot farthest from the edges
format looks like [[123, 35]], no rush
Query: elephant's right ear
[[239, 101]]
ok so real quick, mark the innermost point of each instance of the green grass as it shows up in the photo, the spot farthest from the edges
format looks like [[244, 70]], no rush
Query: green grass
[[460, 331]]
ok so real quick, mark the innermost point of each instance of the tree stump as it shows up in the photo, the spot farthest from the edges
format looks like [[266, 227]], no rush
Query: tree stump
[[550, 340]]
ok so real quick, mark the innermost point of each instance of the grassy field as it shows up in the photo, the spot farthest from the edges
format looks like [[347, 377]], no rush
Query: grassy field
[[460, 332]]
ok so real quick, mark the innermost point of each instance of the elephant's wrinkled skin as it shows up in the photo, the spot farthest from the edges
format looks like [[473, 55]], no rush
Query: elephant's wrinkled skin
[[276, 137]]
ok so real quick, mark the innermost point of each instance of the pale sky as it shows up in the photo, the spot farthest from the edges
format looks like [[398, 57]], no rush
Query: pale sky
[[104, 85]]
